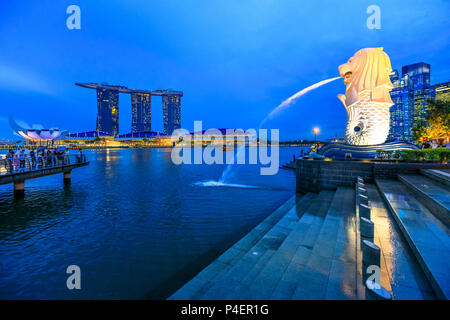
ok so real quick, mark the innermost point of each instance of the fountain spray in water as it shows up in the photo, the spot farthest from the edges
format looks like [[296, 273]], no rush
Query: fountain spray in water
[[286, 103]]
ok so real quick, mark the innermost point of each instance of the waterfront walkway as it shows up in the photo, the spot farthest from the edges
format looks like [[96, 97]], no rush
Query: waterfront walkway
[[48, 166], [311, 247]]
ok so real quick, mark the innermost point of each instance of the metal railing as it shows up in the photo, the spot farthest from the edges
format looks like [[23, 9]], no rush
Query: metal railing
[[29, 163]]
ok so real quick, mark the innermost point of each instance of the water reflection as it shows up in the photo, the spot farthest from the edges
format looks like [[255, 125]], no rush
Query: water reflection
[[135, 223]]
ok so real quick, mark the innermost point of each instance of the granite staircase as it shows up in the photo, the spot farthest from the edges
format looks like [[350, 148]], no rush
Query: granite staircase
[[420, 204], [312, 247]]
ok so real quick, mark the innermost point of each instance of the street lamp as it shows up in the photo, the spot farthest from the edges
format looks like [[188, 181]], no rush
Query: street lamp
[[316, 131]]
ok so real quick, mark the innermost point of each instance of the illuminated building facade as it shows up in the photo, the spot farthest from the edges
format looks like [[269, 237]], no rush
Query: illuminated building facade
[[171, 113], [108, 111], [141, 112], [108, 108], [419, 75], [401, 119], [410, 95], [224, 137], [34, 134], [442, 91]]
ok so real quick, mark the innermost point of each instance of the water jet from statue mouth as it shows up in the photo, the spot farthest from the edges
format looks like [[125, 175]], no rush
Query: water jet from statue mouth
[[286, 103]]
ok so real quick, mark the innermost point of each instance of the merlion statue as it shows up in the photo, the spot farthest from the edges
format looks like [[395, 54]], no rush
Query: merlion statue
[[367, 99]]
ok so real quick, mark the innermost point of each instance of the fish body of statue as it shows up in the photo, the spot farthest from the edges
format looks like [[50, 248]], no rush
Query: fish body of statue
[[367, 99]]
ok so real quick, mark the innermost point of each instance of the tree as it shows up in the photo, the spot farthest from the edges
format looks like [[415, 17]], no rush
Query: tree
[[419, 130], [437, 122]]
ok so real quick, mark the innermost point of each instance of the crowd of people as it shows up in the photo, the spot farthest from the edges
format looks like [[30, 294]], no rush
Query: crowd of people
[[435, 144], [24, 159]]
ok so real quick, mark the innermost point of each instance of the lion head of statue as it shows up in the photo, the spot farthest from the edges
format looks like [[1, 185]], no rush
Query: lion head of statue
[[368, 70]]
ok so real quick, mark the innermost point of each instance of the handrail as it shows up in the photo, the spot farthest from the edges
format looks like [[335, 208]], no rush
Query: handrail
[[29, 163]]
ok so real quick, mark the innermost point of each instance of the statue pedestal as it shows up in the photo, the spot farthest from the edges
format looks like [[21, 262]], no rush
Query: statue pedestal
[[343, 151], [313, 175]]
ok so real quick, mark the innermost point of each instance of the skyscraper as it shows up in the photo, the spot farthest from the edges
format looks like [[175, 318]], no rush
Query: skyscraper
[[410, 95], [442, 90], [141, 112], [402, 111], [108, 111], [171, 113], [108, 108], [419, 75]]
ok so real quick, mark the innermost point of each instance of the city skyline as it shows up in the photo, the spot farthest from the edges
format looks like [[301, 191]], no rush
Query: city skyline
[[411, 94], [258, 151], [235, 62]]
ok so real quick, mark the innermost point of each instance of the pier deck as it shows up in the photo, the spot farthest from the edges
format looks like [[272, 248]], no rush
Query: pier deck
[[36, 169]]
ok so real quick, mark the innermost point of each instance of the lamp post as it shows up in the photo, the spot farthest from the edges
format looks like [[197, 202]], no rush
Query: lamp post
[[316, 131]]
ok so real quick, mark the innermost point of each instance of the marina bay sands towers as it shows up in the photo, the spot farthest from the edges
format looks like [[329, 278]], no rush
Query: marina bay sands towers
[[141, 110]]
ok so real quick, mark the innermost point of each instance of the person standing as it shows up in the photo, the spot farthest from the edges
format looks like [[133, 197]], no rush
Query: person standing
[[15, 162], [39, 158], [22, 158], [9, 160], [33, 158]]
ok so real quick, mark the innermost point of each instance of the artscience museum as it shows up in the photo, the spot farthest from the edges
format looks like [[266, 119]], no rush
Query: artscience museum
[[42, 134], [36, 132]]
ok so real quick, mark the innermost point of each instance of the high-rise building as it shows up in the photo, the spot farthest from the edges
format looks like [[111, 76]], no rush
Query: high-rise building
[[442, 90], [402, 111], [108, 108], [171, 113], [419, 73], [141, 112], [411, 94], [421, 98], [108, 111]]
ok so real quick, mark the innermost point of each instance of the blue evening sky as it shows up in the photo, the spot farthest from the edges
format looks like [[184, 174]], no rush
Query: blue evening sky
[[235, 60]]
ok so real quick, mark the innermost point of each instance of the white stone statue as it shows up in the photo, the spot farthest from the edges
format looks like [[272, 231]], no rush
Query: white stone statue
[[367, 99]]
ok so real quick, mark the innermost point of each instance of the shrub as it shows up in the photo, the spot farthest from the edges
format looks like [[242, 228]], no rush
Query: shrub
[[441, 155]]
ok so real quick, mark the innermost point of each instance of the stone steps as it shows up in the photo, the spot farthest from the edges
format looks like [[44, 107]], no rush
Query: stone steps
[[311, 263], [234, 284], [330, 271], [427, 236], [441, 176], [197, 286], [434, 195], [305, 234], [401, 274]]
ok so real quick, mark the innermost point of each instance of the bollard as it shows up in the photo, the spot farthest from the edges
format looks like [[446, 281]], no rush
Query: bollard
[[364, 211], [362, 190], [366, 227], [371, 253], [362, 198]]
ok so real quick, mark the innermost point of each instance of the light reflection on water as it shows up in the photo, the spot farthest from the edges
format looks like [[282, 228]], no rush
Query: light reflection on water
[[136, 224]]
